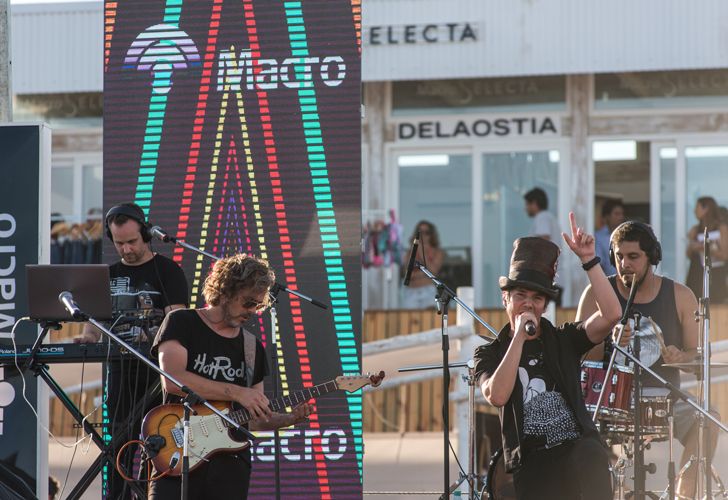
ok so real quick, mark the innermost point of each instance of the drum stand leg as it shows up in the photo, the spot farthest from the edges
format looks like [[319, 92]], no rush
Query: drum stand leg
[[619, 473]]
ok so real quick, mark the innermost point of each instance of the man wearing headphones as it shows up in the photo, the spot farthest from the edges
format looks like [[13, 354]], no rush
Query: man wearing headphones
[[667, 308], [145, 286]]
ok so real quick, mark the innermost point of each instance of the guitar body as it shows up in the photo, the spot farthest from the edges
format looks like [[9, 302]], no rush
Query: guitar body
[[162, 428], [208, 435]]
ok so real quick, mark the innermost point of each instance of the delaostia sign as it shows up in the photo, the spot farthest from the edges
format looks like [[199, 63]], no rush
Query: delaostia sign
[[478, 127]]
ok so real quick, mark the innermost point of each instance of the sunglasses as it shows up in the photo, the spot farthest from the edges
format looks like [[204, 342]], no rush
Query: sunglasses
[[254, 304]]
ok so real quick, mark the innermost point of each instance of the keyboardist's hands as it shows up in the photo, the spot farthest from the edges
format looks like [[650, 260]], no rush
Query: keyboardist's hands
[[255, 402]]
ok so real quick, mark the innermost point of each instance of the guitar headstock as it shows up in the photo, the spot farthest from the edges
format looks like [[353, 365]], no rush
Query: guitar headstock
[[351, 383]]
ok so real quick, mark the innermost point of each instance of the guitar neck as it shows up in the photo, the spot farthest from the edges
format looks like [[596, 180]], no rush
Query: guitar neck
[[243, 416]]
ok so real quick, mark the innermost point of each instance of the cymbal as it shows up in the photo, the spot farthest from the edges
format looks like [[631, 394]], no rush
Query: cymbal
[[694, 365]]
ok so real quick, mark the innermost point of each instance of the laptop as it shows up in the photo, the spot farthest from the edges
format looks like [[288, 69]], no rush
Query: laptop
[[88, 283]]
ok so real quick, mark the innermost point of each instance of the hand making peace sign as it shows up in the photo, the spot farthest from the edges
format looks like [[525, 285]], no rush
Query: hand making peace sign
[[581, 243]]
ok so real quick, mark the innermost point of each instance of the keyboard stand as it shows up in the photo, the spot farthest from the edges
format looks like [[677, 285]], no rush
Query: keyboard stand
[[106, 455]]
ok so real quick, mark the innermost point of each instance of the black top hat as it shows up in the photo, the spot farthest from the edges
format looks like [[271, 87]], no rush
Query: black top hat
[[533, 266]]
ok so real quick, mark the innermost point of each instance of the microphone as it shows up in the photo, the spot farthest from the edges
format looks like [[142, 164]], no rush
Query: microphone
[[630, 300], [160, 234], [66, 298], [530, 328], [413, 255]]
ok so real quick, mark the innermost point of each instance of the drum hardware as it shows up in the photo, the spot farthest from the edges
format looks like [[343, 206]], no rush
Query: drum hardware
[[696, 365], [674, 391], [714, 473]]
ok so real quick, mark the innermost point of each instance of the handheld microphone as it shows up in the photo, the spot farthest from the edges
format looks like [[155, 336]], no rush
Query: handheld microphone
[[411, 263], [160, 234], [530, 328], [66, 298]]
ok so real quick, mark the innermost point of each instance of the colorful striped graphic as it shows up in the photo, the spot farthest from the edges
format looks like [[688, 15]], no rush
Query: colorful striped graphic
[[232, 154], [326, 213]]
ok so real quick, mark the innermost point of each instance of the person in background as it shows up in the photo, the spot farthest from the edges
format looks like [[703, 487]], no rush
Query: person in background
[[612, 216], [544, 223], [421, 292], [709, 217]]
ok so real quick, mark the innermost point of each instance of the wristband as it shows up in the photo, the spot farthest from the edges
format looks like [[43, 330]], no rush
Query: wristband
[[588, 265]]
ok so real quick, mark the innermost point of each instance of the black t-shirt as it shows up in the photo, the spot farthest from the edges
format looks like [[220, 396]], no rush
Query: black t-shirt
[[139, 295], [210, 355]]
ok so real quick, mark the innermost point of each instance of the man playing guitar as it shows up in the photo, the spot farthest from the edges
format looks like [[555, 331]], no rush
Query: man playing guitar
[[209, 351]]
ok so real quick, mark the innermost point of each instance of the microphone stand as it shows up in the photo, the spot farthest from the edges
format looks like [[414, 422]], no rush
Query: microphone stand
[[167, 238], [275, 289], [442, 299], [703, 318], [191, 398]]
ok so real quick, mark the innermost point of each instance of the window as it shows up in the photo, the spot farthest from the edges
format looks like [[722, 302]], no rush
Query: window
[[437, 188]]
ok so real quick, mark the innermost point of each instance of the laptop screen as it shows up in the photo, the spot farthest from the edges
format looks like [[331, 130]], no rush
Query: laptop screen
[[87, 283]]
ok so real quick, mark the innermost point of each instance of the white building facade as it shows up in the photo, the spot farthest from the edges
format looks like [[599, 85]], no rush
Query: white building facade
[[468, 104]]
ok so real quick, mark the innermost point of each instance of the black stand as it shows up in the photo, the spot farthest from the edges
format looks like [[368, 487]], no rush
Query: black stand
[[442, 298], [443, 303], [640, 469], [106, 456]]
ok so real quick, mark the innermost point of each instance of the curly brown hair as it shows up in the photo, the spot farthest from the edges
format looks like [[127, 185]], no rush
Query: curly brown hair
[[240, 272]]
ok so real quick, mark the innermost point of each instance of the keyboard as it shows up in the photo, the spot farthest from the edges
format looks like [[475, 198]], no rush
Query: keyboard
[[69, 353]]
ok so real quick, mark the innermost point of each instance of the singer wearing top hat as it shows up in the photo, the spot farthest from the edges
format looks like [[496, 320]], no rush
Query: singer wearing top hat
[[531, 374]]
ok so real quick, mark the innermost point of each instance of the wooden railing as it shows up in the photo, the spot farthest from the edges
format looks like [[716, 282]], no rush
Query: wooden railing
[[417, 406]]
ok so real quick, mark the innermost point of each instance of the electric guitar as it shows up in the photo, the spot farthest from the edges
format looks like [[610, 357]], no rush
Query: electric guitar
[[162, 428]]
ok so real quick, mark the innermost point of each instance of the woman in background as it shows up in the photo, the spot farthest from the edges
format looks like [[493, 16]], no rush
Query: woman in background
[[709, 216], [421, 291]]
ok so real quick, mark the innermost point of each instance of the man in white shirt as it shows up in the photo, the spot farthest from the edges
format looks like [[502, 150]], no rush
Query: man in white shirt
[[544, 223]]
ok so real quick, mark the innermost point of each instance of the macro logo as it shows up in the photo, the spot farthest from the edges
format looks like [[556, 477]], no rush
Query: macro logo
[[161, 49], [243, 70]]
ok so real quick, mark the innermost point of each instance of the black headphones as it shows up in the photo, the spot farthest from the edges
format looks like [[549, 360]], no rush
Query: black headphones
[[133, 212], [654, 254]]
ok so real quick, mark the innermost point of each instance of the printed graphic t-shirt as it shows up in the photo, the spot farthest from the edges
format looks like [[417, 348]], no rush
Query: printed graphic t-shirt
[[140, 293], [547, 418], [210, 355]]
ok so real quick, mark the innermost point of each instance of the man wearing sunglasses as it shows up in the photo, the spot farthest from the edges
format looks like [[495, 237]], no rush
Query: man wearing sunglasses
[[209, 351]]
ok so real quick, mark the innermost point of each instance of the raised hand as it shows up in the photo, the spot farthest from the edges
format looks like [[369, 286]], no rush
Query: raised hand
[[581, 243]]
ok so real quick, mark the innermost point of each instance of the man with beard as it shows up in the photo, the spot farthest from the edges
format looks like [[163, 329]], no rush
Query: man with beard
[[209, 351], [670, 306], [144, 287], [531, 374]]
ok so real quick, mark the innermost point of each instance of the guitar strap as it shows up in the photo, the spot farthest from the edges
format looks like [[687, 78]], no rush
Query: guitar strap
[[249, 349]]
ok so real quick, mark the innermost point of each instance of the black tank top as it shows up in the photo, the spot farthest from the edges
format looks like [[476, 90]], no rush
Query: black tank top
[[663, 312]]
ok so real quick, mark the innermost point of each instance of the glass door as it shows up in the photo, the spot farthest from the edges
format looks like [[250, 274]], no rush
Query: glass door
[[504, 179], [663, 209]]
